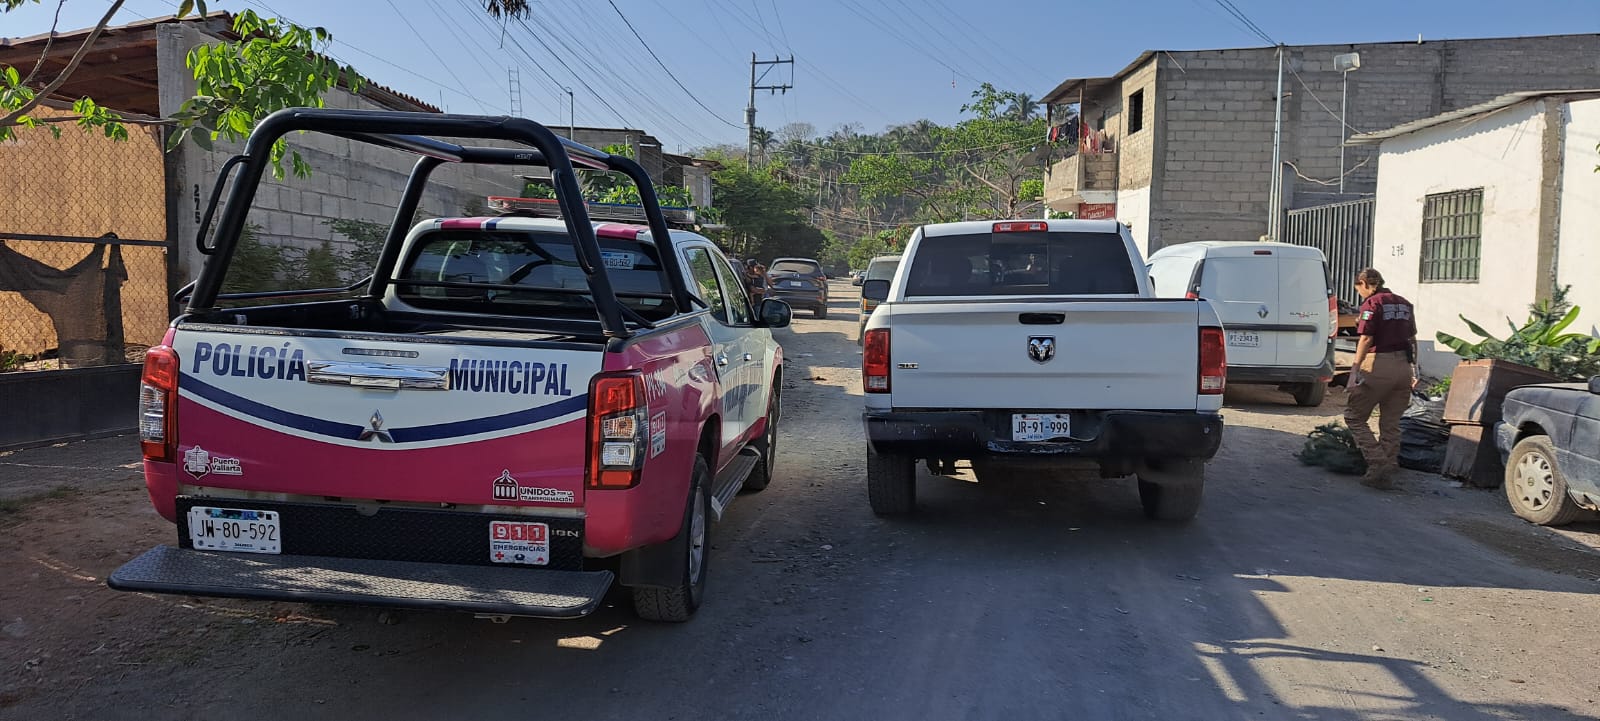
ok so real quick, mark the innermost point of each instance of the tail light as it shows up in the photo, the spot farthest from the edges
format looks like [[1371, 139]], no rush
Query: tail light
[[158, 404], [875, 361], [1021, 227], [618, 428], [1213, 362], [1333, 314], [1191, 295]]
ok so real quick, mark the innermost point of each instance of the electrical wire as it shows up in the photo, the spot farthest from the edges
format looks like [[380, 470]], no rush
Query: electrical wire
[[889, 28], [1231, 9], [1318, 100], [434, 53], [574, 73], [618, 82], [667, 70]]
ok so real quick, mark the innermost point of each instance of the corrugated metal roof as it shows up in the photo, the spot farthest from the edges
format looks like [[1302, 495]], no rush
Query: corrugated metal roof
[[1466, 113]]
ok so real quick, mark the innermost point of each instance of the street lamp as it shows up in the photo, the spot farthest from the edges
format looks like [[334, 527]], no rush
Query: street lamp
[[1344, 64]]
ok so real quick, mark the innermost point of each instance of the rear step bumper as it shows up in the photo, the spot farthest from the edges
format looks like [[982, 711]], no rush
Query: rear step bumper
[[394, 584], [1100, 434]]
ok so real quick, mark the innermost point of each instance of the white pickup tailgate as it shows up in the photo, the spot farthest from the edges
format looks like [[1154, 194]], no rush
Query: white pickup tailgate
[[1135, 354]]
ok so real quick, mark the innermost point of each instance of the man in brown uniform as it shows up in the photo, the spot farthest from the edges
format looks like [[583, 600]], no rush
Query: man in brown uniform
[[1383, 376]]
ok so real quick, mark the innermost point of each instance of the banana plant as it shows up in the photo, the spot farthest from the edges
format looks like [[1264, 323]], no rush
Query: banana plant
[[1541, 342]]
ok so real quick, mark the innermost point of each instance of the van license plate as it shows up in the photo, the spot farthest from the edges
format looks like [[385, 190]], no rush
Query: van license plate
[[1040, 426], [1244, 340], [235, 529]]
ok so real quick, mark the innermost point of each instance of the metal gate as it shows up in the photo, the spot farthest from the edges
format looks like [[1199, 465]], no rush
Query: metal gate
[[1343, 232]]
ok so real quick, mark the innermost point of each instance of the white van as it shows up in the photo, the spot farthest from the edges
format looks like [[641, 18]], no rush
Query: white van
[[1276, 302]]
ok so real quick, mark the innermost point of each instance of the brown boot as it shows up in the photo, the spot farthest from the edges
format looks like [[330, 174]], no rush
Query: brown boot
[[1380, 477]]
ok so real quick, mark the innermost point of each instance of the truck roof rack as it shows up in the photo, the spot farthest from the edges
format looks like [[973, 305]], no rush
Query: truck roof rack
[[680, 218]]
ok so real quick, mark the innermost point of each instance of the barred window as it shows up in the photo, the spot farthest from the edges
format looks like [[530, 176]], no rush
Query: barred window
[[1452, 224]]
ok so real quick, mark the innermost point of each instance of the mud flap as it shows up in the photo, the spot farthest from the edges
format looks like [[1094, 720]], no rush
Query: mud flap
[[394, 584]]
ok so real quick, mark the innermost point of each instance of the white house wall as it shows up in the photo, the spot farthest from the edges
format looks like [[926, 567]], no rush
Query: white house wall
[[1578, 258], [1133, 208], [1499, 152]]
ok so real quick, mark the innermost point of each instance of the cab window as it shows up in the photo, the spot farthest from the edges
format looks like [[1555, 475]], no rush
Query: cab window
[[703, 271], [738, 301]]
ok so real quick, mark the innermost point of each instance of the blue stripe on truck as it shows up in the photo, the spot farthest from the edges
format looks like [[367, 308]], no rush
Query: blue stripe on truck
[[473, 426]]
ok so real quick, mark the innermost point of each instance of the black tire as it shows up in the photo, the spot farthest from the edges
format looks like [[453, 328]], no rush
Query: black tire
[[821, 311], [1535, 486], [891, 483], [679, 602], [768, 445], [1310, 395], [1172, 491]]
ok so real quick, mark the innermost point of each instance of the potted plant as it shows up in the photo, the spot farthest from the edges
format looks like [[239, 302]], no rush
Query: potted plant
[[1540, 351]]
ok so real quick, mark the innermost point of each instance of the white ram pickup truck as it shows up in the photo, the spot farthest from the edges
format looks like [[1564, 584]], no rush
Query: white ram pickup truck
[[1018, 346]]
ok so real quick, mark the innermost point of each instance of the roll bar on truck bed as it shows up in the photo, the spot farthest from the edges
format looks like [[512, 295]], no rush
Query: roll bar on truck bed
[[412, 132]]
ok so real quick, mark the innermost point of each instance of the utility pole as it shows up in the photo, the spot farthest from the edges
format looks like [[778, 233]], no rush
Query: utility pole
[[572, 112], [514, 80], [750, 110], [1275, 198]]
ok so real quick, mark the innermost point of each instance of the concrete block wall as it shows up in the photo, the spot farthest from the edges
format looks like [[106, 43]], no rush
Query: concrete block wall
[[1216, 118], [1136, 149], [349, 180]]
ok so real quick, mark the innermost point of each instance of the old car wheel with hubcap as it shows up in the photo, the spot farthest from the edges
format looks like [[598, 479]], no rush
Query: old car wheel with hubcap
[[1535, 486]]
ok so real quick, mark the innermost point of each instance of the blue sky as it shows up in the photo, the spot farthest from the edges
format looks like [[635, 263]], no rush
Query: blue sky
[[870, 62]]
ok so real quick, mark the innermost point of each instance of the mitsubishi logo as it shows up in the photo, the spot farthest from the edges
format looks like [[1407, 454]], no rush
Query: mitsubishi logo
[[1262, 311], [375, 431], [1041, 348]]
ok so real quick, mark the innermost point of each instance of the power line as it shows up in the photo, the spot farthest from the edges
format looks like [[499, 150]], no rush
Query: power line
[[1231, 9], [564, 64], [1318, 100], [1014, 143], [618, 82], [740, 16], [664, 67], [951, 42], [433, 52], [891, 29]]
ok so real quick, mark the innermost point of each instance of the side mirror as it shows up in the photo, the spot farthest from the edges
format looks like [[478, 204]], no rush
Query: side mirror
[[875, 289], [775, 313], [1594, 385]]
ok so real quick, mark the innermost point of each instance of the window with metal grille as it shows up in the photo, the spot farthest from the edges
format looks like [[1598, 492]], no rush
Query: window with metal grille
[[1452, 224]]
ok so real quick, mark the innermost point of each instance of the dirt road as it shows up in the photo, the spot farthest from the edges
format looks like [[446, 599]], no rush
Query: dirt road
[[1294, 595]]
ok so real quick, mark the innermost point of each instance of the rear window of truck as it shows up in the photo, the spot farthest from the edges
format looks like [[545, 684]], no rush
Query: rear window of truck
[[1022, 264], [543, 267]]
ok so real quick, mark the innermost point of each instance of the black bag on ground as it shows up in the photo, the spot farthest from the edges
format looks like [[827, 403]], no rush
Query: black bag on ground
[[1423, 434]]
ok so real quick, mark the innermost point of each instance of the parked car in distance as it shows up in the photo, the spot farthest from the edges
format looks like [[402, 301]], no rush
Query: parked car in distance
[[800, 282], [1277, 305], [879, 268], [1549, 437], [856, 276]]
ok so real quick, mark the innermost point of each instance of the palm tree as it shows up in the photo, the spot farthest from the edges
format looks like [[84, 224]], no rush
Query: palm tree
[[1023, 107], [763, 140], [507, 8]]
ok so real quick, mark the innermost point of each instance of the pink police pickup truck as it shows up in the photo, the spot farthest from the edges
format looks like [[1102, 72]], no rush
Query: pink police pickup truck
[[508, 416]]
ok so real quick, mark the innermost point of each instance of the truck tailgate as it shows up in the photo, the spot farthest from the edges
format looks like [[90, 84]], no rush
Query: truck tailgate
[[1045, 355], [446, 420]]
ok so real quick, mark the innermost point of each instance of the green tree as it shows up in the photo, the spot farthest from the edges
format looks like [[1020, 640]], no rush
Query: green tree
[[274, 65], [765, 216]]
